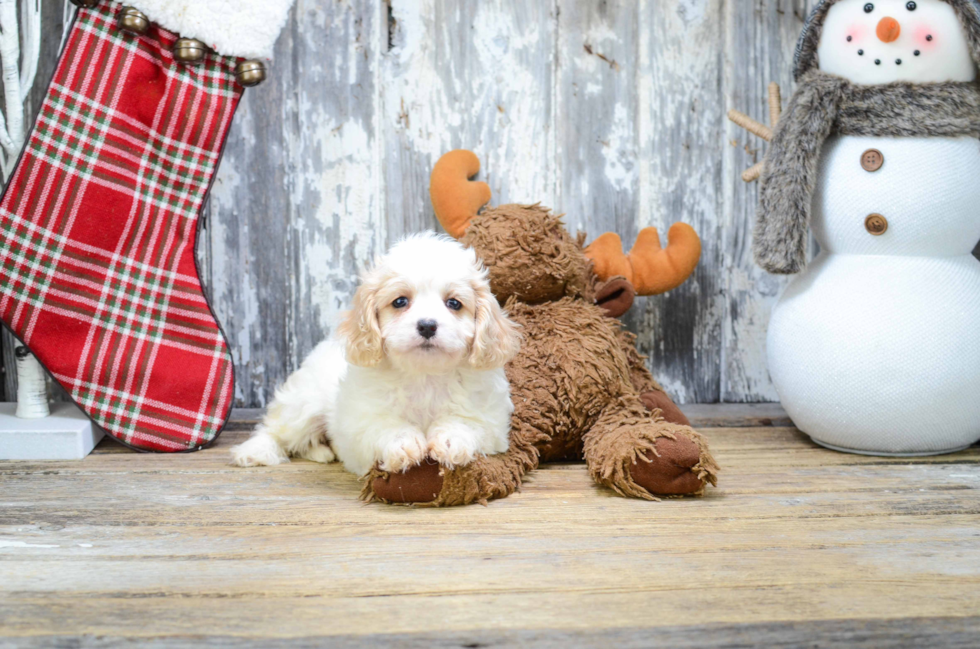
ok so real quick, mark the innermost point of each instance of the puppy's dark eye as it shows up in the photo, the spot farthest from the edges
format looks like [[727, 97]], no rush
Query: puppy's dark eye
[[911, 6], [400, 303], [454, 304], [868, 8]]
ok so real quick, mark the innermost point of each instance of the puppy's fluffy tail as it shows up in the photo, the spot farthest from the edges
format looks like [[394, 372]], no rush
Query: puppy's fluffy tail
[[262, 449]]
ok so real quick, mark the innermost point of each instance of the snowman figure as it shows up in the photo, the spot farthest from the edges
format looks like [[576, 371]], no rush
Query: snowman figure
[[875, 346]]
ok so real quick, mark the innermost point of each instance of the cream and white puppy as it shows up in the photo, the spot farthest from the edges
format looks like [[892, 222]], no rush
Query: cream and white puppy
[[416, 370]]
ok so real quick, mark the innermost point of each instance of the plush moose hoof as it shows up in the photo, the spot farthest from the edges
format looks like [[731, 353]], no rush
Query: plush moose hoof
[[670, 473], [420, 484], [656, 399]]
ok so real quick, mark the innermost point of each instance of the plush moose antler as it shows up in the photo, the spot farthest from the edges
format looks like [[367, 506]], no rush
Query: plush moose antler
[[455, 198], [650, 268], [757, 128]]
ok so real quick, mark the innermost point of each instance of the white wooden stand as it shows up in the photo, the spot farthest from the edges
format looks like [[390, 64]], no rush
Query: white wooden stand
[[31, 429], [67, 434]]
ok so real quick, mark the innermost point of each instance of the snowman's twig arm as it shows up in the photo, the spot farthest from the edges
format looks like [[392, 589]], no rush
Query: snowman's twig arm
[[758, 128], [752, 174], [775, 104], [750, 125]]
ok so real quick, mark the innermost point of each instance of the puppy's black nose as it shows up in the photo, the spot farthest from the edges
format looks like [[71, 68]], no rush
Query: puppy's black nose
[[427, 328]]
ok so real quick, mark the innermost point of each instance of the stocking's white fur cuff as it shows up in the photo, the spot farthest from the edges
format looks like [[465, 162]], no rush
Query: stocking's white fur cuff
[[247, 28]]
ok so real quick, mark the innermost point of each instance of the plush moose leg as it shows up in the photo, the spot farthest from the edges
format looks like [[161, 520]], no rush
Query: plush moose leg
[[431, 485], [651, 394], [639, 454]]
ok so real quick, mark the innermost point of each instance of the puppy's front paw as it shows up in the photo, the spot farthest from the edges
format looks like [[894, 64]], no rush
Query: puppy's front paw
[[453, 446], [319, 453], [259, 450], [404, 452]]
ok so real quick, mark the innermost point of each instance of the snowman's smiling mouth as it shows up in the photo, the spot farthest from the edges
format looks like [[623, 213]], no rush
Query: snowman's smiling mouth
[[880, 60], [898, 61]]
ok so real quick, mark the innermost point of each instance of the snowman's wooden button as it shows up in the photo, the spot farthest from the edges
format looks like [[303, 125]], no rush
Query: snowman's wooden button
[[872, 160], [876, 224]]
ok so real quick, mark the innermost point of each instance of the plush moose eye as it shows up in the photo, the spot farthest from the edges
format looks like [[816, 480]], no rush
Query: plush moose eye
[[400, 302], [454, 304], [911, 6], [868, 8]]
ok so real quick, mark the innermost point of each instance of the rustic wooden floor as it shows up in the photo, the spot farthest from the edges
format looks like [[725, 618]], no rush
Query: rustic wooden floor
[[798, 544]]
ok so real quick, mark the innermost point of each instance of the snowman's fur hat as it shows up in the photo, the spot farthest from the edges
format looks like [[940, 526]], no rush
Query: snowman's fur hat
[[824, 104], [968, 12]]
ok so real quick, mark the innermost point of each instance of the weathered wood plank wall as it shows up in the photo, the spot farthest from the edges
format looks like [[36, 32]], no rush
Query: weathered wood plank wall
[[610, 111]]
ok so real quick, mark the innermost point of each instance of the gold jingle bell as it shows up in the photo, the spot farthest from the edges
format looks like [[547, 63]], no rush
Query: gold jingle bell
[[189, 50], [85, 4], [133, 20], [250, 73]]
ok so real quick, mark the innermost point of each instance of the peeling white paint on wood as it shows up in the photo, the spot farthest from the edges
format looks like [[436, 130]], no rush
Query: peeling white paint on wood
[[22, 544], [467, 75], [760, 38], [296, 209]]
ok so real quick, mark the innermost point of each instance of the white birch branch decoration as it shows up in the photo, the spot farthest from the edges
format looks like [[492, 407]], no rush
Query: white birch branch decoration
[[30, 33], [17, 73], [32, 389], [18, 69], [67, 17]]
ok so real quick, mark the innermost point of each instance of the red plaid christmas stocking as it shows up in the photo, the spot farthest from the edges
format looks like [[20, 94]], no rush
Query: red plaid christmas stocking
[[98, 224]]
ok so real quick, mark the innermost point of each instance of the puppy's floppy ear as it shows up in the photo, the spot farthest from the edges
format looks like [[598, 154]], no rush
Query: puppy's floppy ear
[[360, 327], [497, 339]]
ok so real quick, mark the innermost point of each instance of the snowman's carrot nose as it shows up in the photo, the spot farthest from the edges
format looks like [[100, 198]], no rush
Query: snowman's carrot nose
[[889, 30]]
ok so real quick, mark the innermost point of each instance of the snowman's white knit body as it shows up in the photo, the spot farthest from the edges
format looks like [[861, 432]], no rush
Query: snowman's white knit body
[[875, 347]]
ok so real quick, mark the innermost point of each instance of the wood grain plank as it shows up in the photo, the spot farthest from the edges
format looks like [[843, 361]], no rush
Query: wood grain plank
[[128, 547], [681, 114], [468, 75], [249, 239], [296, 209], [334, 147], [302, 616], [596, 115], [702, 415], [761, 38], [726, 415], [948, 632]]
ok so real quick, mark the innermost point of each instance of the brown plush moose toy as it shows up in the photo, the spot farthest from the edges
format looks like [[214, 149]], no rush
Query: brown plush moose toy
[[579, 386]]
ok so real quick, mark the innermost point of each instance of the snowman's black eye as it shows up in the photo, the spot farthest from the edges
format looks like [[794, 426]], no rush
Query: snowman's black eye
[[911, 6], [868, 8]]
